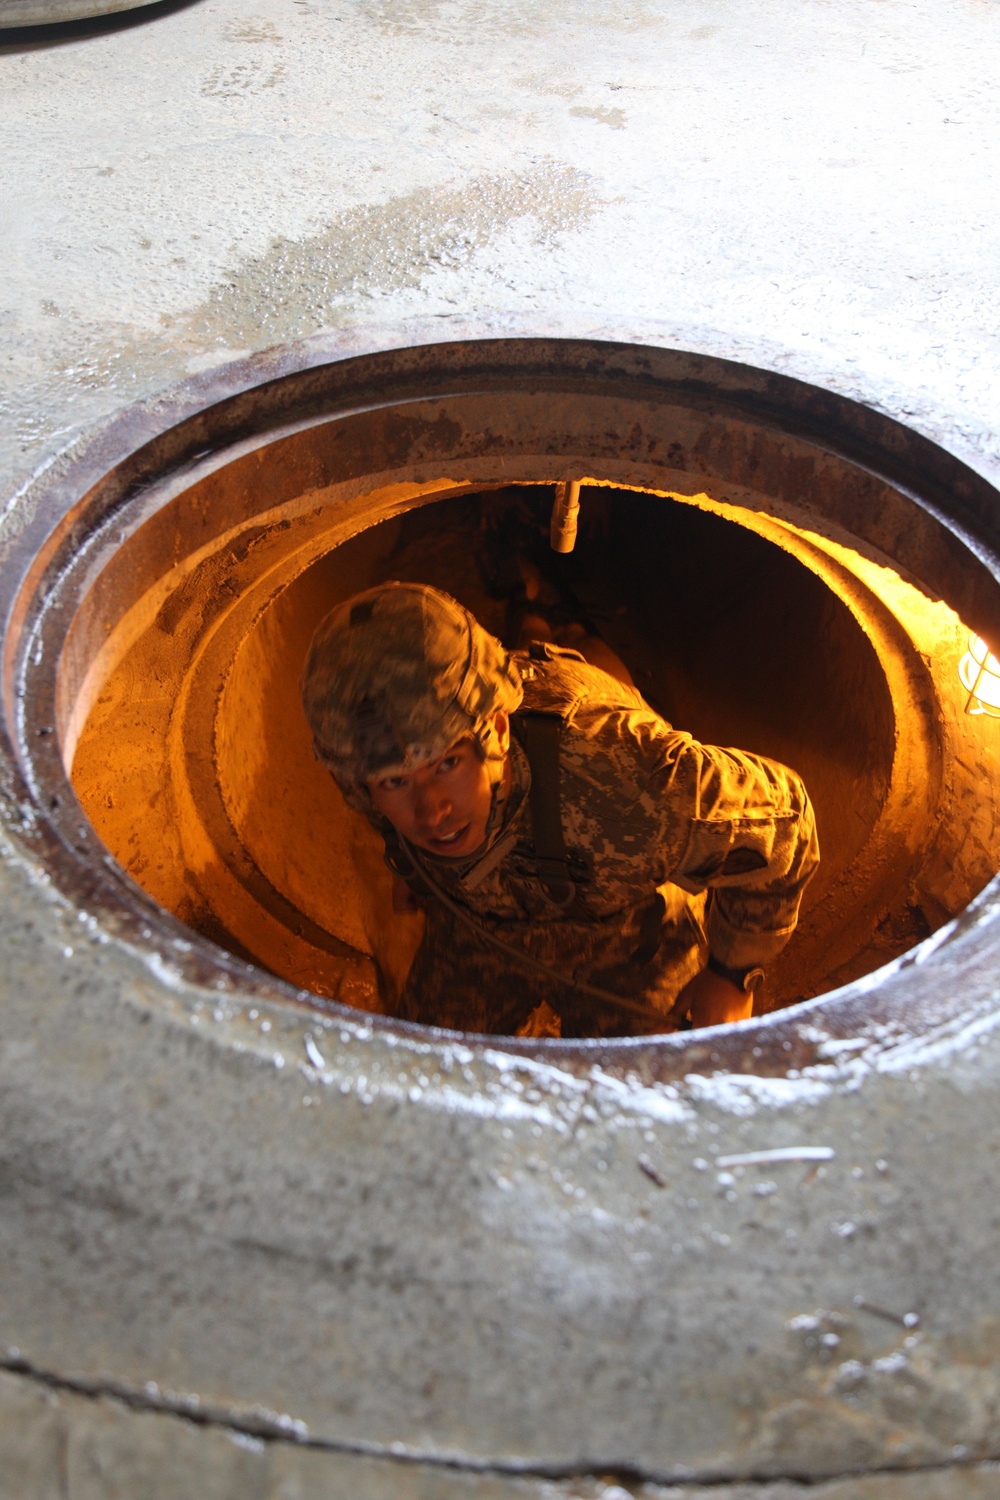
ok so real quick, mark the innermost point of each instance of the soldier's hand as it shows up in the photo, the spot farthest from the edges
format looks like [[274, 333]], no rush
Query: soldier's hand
[[711, 1000]]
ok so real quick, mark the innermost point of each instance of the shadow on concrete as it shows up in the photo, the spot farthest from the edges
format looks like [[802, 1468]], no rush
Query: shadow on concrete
[[56, 33]]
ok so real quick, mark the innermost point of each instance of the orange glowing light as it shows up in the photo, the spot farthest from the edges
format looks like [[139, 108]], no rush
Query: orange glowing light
[[979, 670]]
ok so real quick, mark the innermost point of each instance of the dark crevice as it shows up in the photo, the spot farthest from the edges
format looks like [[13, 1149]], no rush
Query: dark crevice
[[270, 1427]]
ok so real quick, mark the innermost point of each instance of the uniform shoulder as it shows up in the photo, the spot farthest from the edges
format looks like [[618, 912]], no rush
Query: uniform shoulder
[[611, 737], [558, 680]]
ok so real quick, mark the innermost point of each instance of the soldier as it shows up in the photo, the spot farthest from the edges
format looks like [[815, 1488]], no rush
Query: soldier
[[560, 835]]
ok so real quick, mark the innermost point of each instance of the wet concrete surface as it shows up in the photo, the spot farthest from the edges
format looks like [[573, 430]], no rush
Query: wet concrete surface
[[391, 1252], [810, 190]]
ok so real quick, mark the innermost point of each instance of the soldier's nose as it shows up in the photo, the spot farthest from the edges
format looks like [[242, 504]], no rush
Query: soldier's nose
[[432, 806]]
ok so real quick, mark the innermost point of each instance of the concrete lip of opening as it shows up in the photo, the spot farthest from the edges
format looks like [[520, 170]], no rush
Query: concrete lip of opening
[[684, 1258]]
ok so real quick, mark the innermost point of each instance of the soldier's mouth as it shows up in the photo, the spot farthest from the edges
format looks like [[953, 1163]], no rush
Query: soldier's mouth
[[448, 843]]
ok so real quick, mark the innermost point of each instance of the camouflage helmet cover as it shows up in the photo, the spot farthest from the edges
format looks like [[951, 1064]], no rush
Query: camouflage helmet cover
[[397, 675]]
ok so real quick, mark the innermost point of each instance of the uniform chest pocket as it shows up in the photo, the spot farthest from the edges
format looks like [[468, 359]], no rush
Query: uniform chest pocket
[[550, 891], [737, 851]]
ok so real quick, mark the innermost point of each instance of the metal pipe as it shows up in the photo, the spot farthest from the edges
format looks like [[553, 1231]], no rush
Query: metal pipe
[[565, 515]]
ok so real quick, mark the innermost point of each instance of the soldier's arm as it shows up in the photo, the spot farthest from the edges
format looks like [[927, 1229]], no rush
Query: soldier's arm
[[713, 819], [743, 827]]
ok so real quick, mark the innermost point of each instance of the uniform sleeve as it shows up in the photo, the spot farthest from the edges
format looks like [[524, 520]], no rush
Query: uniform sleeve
[[742, 827]]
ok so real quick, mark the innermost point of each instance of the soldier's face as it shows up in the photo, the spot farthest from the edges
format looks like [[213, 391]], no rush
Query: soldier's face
[[444, 806]]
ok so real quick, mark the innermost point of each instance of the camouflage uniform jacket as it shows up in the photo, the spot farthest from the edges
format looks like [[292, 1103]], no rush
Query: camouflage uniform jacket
[[652, 820]]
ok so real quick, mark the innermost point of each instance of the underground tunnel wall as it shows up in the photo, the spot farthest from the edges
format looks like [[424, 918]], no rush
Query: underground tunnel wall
[[768, 658]]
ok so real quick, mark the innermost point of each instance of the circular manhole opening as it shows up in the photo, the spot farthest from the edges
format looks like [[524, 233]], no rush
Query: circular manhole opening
[[778, 568]]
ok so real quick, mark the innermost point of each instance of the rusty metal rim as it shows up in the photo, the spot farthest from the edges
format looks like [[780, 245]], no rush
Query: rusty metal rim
[[254, 397]]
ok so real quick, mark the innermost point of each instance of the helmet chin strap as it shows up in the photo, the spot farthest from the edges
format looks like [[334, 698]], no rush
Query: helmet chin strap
[[494, 759]]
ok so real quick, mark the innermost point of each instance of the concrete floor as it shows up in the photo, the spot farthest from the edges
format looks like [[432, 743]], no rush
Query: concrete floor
[[810, 187]]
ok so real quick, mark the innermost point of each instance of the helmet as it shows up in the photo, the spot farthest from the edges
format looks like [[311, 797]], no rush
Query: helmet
[[397, 675]]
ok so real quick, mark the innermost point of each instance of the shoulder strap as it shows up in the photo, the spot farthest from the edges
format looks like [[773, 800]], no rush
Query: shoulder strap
[[540, 737], [539, 733]]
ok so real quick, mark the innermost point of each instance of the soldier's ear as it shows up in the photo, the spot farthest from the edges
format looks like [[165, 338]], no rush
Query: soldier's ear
[[501, 723]]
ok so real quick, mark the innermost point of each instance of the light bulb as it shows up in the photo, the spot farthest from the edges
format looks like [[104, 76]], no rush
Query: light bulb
[[979, 670]]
